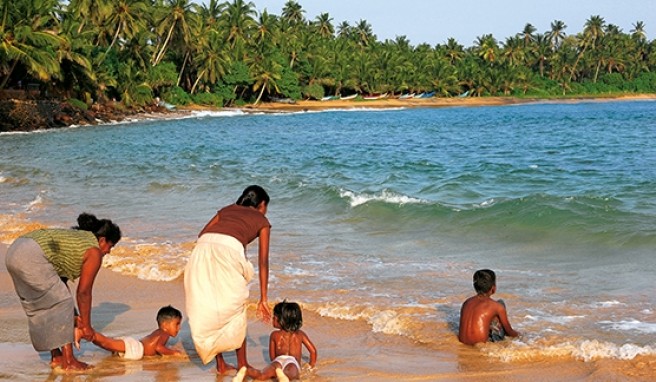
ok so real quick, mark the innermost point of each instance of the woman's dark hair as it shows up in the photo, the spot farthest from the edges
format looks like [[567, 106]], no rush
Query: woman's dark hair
[[289, 315], [100, 227], [253, 196]]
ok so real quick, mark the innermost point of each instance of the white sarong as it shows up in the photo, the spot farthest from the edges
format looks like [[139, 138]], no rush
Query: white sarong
[[216, 292]]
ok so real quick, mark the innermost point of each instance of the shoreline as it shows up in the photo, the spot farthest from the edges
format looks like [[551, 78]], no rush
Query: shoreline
[[64, 116], [435, 102]]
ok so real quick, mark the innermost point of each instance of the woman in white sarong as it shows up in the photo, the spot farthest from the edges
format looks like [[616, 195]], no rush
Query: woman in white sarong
[[217, 275]]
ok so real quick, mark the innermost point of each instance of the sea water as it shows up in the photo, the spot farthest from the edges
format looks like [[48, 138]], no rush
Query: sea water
[[382, 216]]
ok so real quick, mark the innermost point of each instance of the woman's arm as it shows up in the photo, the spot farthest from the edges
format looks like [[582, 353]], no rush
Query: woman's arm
[[90, 265], [263, 265]]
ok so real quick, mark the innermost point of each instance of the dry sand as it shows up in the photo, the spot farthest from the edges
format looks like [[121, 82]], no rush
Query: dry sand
[[424, 102]]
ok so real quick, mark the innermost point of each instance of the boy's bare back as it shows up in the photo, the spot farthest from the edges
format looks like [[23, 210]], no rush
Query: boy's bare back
[[155, 344], [476, 315]]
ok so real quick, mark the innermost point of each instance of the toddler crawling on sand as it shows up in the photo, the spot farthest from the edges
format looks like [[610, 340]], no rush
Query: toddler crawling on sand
[[168, 322]]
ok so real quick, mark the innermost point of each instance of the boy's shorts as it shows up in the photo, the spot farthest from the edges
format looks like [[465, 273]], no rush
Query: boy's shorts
[[496, 329], [134, 349]]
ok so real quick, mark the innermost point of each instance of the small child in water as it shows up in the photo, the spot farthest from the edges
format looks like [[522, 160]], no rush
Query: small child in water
[[285, 346], [483, 319], [168, 325]]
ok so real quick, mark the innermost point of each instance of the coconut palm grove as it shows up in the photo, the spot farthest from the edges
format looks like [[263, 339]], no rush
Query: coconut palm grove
[[232, 54]]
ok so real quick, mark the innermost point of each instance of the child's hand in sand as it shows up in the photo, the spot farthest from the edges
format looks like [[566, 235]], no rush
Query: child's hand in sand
[[78, 337], [78, 334]]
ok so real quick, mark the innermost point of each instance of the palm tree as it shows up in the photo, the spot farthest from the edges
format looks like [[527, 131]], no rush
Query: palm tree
[[556, 34], [487, 49], [210, 14], [324, 25], [292, 13], [344, 30], [454, 51], [638, 32], [527, 34], [592, 33], [238, 19], [266, 30], [364, 33], [175, 18], [89, 11], [211, 61], [267, 72], [128, 18], [513, 51], [27, 38]]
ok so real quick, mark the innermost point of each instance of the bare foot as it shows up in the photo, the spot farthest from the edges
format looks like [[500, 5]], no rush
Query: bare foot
[[281, 375], [223, 368], [56, 361], [75, 365], [241, 374]]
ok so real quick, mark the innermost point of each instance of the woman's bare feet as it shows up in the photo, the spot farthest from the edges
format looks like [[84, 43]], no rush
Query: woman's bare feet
[[221, 366], [75, 365], [64, 359]]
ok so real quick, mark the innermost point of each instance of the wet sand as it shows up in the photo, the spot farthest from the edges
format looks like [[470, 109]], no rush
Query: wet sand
[[348, 350]]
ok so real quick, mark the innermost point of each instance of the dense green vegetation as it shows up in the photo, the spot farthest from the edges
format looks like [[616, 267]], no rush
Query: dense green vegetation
[[222, 53]]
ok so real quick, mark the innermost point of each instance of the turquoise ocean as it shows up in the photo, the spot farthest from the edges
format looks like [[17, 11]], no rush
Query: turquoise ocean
[[382, 216]]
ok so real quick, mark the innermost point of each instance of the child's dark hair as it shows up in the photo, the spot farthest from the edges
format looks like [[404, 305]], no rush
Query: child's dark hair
[[253, 196], [484, 280], [99, 227], [167, 313], [289, 315]]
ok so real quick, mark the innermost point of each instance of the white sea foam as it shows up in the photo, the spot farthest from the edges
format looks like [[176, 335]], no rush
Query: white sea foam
[[586, 350], [34, 204], [630, 325], [381, 321], [562, 320], [384, 196], [222, 113], [153, 262], [606, 304]]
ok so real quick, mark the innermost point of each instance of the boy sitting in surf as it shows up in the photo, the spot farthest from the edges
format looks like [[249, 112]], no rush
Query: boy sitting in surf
[[285, 346], [483, 319], [168, 325]]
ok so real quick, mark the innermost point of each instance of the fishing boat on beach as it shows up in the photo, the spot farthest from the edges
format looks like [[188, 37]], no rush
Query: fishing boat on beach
[[282, 100], [425, 95], [352, 96], [375, 96]]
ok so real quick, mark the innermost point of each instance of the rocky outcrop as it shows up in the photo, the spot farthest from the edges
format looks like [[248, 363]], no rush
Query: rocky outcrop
[[30, 115]]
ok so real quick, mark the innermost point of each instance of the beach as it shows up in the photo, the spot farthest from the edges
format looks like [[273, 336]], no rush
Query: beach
[[380, 213], [393, 103], [348, 350]]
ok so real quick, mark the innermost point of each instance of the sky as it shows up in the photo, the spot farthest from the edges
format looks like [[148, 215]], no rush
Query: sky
[[435, 21]]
